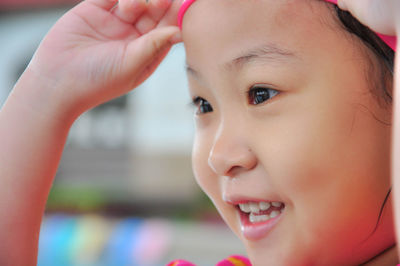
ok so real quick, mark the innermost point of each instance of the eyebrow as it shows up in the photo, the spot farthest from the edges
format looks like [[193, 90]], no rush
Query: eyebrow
[[266, 53]]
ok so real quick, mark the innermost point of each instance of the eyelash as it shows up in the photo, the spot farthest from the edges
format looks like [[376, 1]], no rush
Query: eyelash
[[256, 95], [203, 106]]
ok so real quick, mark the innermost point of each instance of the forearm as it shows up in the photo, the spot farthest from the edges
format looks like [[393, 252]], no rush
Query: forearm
[[32, 141]]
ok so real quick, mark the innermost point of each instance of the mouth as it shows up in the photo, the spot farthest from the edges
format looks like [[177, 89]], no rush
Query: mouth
[[259, 218]]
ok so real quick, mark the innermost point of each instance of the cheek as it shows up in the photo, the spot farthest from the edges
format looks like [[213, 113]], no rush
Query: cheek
[[298, 147], [332, 158], [205, 177], [314, 152], [210, 182]]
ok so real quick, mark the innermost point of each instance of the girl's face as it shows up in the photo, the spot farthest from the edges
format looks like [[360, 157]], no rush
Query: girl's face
[[286, 114]]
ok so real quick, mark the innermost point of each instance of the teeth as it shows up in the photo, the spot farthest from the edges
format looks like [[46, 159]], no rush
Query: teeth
[[245, 207], [253, 218], [258, 218], [264, 205], [274, 214], [254, 207], [276, 204]]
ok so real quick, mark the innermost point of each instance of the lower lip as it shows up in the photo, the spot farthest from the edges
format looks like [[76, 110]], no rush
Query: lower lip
[[257, 231]]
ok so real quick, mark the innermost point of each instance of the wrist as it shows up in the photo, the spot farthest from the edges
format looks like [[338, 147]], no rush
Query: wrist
[[42, 99]]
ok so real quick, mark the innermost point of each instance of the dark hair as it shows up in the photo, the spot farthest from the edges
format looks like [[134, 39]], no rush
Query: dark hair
[[384, 54], [382, 51]]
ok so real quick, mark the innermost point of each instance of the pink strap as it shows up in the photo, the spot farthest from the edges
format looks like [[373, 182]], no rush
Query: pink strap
[[185, 5], [389, 40]]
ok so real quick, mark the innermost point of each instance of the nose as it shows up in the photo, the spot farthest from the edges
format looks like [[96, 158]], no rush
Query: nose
[[230, 153]]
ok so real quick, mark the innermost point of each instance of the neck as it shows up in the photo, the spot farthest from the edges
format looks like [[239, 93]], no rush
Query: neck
[[387, 258]]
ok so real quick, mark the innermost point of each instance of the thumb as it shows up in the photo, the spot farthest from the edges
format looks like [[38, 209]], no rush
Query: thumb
[[148, 48]]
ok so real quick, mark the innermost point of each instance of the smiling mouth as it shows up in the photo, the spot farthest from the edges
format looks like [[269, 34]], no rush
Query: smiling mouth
[[258, 218], [259, 212]]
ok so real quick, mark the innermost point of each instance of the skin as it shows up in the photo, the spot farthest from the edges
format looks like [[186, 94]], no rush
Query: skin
[[319, 146], [370, 12], [110, 48]]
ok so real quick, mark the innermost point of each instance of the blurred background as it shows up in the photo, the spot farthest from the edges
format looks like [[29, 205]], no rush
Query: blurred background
[[124, 193]]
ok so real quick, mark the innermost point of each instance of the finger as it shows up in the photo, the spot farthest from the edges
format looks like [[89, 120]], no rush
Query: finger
[[145, 24], [170, 17], [152, 66], [142, 52], [157, 8], [130, 10], [104, 4], [155, 11]]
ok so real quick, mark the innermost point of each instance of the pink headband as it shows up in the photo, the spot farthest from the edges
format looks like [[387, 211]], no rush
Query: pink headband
[[389, 40]]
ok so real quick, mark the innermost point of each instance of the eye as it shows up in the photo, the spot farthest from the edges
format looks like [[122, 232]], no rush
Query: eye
[[203, 106], [258, 94]]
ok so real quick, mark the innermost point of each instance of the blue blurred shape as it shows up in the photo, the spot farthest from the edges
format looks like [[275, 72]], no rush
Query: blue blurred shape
[[57, 234], [122, 243]]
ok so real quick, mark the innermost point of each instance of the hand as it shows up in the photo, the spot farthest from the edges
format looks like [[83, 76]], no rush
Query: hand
[[382, 16], [102, 49]]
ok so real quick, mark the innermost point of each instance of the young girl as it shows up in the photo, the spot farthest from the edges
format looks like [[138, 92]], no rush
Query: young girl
[[293, 120], [293, 130]]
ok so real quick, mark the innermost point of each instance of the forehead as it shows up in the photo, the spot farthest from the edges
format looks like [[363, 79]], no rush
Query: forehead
[[224, 29]]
